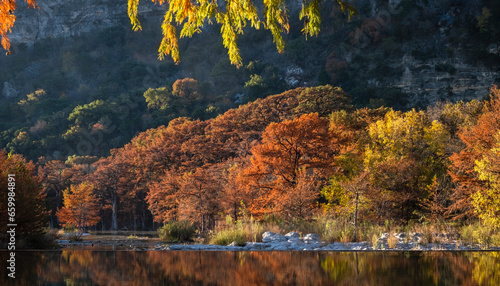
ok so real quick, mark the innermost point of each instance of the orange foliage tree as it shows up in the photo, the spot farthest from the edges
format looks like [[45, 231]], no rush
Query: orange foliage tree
[[233, 194], [80, 207], [56, 176], [288, 148], [163, 197], [185, 196], [198, 193], [111, 183], [479, 141]]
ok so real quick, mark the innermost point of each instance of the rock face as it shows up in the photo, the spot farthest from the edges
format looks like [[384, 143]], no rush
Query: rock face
[[448, 79], [424, 77], [72, 17], [9, 90]]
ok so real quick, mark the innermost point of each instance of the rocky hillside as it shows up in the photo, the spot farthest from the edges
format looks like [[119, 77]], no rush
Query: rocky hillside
[[400, 53]]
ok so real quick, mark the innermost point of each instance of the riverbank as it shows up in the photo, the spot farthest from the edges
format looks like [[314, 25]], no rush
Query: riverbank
[[271, 241]]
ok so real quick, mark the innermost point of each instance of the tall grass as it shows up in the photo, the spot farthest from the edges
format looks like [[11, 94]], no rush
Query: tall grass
[[341, 229], [242, 231], [474, 234]]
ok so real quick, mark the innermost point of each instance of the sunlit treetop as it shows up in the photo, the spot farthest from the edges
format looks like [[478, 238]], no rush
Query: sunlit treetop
[[7, 19], [233, 16]]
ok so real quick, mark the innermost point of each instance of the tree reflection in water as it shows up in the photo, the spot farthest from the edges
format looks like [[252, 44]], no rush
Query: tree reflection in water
[[85, 267]]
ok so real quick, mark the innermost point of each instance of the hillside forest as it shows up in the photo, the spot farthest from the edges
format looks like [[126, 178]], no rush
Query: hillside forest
[[300, 154]]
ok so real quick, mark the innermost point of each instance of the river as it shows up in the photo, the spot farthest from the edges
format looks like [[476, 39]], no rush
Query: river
[[105, 267]]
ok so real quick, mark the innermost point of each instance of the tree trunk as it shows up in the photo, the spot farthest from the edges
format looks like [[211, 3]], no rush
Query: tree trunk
[[356, 217], [143, 219], [114, 207], [235, 209]]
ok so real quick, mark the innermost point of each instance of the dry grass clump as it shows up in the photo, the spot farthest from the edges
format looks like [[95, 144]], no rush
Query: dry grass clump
[[392, 240]]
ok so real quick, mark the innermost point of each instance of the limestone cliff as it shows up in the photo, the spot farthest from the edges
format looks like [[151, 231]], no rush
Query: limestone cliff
[[57, 18]]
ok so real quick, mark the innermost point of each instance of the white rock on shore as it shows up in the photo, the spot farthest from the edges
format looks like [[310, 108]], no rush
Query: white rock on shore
[[312, 242]]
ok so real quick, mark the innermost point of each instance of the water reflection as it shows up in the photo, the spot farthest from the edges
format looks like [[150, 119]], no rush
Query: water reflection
[[84, 267]]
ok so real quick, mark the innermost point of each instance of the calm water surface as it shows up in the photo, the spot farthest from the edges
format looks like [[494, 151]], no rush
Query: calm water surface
[[86, 267]]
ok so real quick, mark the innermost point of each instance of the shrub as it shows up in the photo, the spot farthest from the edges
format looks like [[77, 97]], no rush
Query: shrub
[[466, 234], [72, 233], [227, 236], [375, 242], [495, 240], [392, 240], [177, 231], [427, 234], [246, 229], [483, 236], [75, 236]]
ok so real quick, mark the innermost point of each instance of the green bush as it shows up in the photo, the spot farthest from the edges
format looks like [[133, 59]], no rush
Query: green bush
[[177, 231], [227, 236]]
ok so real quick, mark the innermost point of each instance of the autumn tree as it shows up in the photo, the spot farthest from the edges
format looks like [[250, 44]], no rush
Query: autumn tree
[[233, 194], [56, 176], [21, 194], [287, 149], [394, 192], [185, 196], [346, 193], [163, 199], [404, 154], [456, 115], [158, 158], [80, 207], [159, 98], [479, 141], [82, 166], [486, 201], [111, 183], [435, 204], [323, 100], [187, 92], [198, 193], [347, 190], [300, 198]]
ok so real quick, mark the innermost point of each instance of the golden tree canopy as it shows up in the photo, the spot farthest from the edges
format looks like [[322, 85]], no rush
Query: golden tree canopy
[[233, 15]]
